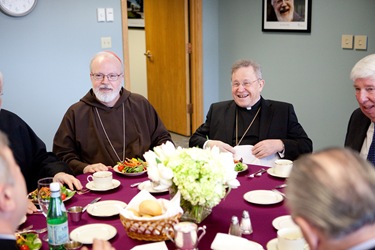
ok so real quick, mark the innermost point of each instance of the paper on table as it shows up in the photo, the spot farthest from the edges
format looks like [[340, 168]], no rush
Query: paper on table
[[170, 207], [244, 152], [154, 246], [226, 241]]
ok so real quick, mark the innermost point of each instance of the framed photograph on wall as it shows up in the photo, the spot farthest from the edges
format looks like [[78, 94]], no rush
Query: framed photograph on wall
[[135, 14], [286, 15]]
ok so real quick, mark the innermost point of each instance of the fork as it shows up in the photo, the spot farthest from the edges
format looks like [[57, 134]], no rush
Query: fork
[[282, 185], [83, 191], [281, 193], [25, 229], [257, 173]]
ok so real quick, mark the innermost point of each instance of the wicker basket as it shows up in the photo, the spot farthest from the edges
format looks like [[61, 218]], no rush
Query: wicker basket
[[149, 230]]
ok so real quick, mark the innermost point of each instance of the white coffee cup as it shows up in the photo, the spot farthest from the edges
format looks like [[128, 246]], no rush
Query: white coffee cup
[[101, 179], [290, 239], [283, 167]]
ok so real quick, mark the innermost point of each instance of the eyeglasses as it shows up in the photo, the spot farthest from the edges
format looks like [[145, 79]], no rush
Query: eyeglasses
[[110, 76], [245, 84]]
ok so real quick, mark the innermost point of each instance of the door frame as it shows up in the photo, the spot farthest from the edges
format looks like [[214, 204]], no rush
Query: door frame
[[196, 58]]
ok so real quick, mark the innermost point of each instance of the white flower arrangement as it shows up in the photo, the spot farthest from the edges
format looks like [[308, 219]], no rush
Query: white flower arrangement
[[201, 175]]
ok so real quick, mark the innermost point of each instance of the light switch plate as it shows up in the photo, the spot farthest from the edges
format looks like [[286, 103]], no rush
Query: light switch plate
[[109, 14], [360, 42], [347, 41], [101, 14]]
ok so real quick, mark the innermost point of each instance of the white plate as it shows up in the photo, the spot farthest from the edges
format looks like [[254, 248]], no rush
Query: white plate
[[283, 221], [106, 208], [115, 184], [86, 234], [272, 245], [226, 241], [245, 167], [271, 172], [115, 168], [147, 185], [263, 197]]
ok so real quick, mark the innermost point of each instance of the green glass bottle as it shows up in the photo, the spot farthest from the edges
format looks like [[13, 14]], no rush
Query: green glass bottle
[[57, 220]]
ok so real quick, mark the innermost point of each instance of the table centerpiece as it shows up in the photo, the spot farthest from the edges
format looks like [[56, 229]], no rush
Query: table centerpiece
[[203, 176]]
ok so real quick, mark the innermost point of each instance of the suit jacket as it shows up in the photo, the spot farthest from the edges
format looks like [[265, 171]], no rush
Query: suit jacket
[[357, 130], [8, 244], [277, 121]]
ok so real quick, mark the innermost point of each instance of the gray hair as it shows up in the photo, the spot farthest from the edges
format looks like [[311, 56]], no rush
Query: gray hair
[[5, 175], [334, 190], [247, 63], [364, 68]]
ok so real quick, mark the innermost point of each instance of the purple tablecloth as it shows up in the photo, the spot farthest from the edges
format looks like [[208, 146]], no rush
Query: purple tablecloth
[[219, 220]]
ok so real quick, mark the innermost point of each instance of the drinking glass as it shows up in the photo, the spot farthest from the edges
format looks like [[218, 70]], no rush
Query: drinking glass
[[44, 195]]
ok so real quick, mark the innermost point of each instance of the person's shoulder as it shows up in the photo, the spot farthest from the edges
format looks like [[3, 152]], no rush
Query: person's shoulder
[[222, 104], [9, 115], [277, 103]]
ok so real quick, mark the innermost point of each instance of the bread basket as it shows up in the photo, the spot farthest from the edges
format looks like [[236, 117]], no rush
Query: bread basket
[[150, 229]]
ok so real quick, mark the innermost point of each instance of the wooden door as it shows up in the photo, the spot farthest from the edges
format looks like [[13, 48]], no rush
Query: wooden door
[[166, 27]]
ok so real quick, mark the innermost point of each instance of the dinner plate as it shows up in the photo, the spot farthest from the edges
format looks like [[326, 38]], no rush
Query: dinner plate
[[86, 234], [263, 197], [272, 245], [115, 168], [33, 196], [271, 172], [115, 184], [106, 208], [283, 221], [147, 185]]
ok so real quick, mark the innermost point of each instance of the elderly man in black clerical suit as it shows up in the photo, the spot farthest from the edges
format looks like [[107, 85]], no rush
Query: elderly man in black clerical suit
[[360, 132], [271, 126]]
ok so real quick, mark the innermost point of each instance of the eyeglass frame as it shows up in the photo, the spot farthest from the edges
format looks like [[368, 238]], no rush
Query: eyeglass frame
[[244, 84], [107, 75]]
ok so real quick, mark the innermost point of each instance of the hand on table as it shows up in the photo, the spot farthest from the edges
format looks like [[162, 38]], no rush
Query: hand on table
[[221, 145], [71, 181], [267, 147], [95, 168], [100, 245], [31, 208]]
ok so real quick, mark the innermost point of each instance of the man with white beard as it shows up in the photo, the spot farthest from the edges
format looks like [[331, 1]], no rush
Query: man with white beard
[[284, 10], [109, 124]]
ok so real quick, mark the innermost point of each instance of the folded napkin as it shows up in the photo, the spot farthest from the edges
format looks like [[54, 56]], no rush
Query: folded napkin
[[226, 241], [154, 246], [170, 207], [244, 152]]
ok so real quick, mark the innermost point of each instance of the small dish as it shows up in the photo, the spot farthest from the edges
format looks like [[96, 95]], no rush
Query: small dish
[[263, 197], [271, 172], [72, 245], [87, 233], [283, 221], [272, 245], [245, 167], [106, 208], [147, 185], [115, 184], [33, 196], [115, 168]]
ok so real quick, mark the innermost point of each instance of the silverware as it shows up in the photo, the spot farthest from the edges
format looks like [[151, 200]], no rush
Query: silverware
[[83, 191], [24, 229], [277, 191], [257, 173], [92, 202], [135, 184], [282, 185]]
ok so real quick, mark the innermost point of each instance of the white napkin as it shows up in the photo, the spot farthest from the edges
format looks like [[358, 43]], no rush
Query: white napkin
[[170, 207], [154, 246], [226, 241], [244, 152]]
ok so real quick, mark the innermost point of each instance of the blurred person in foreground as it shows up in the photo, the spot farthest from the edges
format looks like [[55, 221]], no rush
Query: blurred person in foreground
[[108, 124], [331, 196], [285, 11], [360, 131], [13, 201], [31, 154], [271, 126]]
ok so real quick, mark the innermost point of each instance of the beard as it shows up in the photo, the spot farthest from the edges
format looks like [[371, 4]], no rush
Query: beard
[[106, 97], [287, 16]]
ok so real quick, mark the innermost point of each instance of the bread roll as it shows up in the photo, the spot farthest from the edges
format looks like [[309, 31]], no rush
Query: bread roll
[[150, 207]]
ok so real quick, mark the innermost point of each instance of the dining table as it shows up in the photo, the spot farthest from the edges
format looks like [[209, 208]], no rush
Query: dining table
[[261, 215]]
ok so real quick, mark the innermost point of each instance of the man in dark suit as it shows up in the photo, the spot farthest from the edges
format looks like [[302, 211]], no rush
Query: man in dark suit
[[360, 129], [331, 197], [271, 126]]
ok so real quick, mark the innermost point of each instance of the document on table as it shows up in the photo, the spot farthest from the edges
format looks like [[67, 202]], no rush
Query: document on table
[[245, 152]]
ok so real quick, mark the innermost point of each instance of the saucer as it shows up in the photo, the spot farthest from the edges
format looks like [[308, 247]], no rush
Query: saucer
[[272, 245], [272, 173], [283, 221], [115, 184], [147, 185], [106, 208]]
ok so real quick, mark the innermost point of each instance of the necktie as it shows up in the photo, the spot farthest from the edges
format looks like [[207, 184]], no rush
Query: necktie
[[371, 151]]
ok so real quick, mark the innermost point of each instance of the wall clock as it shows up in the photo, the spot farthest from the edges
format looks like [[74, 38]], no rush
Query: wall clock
[[17, 7]]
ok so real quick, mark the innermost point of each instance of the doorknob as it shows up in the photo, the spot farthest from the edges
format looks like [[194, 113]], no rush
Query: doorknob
[[148, 54]]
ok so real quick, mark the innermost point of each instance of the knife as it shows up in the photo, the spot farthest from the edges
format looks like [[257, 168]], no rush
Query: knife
[[92, 202]]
